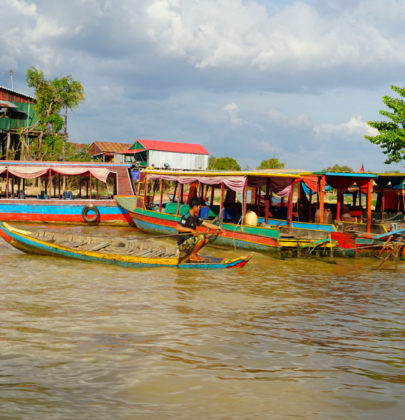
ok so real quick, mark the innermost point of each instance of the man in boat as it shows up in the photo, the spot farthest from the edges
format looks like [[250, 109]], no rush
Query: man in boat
[[191, 244]]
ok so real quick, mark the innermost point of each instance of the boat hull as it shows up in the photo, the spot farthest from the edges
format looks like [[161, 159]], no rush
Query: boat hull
[[63, 211], [23, 241], [245, 237]]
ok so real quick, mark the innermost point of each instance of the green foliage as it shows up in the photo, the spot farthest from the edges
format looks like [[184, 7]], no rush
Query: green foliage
[[391, 137], [338, 168], [272, 163], [52, 95], [223, 164]]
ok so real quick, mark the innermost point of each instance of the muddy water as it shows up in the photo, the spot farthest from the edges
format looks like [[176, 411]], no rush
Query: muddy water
[[274, 340]]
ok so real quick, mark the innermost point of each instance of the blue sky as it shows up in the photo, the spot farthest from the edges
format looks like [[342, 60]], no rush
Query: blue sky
[[296, 80]]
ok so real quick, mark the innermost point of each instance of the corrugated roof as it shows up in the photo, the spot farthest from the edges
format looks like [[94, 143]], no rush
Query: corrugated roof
[[171, 146], [16, 93], [111, 147]]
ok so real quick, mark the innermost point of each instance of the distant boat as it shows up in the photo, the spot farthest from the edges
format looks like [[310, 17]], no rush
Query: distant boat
[[126, 253], [52, 204]]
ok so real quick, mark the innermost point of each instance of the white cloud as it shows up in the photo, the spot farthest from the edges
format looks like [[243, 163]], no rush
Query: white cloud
[[233, 112], [354, 126], [233, 33]]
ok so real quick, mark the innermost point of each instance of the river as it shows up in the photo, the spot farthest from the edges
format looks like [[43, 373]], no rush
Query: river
[[277, 339]]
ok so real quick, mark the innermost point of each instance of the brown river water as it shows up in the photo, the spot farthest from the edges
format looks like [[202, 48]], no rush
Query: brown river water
[[277, 339]]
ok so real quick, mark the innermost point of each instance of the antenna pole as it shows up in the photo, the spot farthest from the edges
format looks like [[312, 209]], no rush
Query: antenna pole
[[11, 72]]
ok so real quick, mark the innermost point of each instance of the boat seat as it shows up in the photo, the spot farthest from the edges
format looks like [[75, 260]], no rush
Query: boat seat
[[99, 246]]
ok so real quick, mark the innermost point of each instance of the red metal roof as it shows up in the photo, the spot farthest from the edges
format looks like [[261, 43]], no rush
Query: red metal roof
[[170, 146]]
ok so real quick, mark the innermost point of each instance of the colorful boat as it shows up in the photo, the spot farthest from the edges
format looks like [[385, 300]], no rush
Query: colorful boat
[[223, 187], [126, 253], [92, 202]]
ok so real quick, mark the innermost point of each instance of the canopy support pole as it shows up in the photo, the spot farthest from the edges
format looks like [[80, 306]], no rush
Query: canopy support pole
[[221, 206], [290, 206], [382, 204], [7, 183], [178, 199], [91, 187], [339, 202], [50, 185], [161, 195], [267, 202], [322, 199], [244, 201], [369, 190]]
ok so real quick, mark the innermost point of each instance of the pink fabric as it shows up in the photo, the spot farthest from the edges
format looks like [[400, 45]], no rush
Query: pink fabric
[[235, 183], [280, 186], [28, 172]]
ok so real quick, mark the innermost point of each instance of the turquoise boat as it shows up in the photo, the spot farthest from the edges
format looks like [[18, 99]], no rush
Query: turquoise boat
[[126, 253]]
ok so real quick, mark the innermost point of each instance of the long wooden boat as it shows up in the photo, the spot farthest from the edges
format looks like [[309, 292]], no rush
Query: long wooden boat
[[164, 216], [52, 204], [126, 253]]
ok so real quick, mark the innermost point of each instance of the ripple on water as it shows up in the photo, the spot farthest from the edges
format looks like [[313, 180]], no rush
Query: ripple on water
[[276, 339]]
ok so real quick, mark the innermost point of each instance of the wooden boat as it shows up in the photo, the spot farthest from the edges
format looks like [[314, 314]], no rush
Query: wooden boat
[[126, 253], [52, 204], [163, 216]]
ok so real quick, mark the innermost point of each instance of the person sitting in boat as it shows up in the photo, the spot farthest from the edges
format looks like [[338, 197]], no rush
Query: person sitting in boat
[[191, 244]]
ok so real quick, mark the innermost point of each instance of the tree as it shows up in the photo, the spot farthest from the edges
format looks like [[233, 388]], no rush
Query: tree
[[272, 163], [391, 137], [51, 95], [338, 168], [223, 164]]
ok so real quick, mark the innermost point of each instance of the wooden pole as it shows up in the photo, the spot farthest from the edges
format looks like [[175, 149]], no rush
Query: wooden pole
[[382, 204], [339, 199], [267, 202], [50, 185], [161, 195], [7, 183], [212, 195], [322, 198], [178, 200], [310, 206], [290, 206], [221, 204], [369, 191], [91, 186], [244, 204]]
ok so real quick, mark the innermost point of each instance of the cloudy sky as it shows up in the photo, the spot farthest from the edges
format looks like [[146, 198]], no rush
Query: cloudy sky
[[250, 79]]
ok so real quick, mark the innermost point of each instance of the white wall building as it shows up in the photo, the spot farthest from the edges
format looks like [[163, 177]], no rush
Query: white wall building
[[165, 154]]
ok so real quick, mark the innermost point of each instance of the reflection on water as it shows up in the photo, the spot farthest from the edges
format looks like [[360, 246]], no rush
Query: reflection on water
[[276, 339]]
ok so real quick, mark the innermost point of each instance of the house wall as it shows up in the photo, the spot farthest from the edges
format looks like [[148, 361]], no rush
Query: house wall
[[190, 161]]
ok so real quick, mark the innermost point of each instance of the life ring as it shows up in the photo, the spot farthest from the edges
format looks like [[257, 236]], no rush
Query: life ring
[[90, 209]]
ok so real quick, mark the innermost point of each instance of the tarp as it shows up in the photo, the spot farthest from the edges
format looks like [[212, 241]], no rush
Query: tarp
[[29, 172]]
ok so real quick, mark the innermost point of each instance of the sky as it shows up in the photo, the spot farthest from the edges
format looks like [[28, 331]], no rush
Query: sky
[[248, 79]]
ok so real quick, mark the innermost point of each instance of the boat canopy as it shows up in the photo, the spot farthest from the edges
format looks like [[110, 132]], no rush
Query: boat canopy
[[279, 185], [344, 180], [29, 172], [395, 181]]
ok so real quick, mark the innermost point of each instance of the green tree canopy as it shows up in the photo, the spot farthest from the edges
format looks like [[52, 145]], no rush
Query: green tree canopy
[[338, 168], [391, 137], [52, 95], [223, 164], [272, 163]]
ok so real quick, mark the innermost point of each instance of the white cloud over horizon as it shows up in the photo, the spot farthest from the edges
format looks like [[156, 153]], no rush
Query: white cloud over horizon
[[293, 79]]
